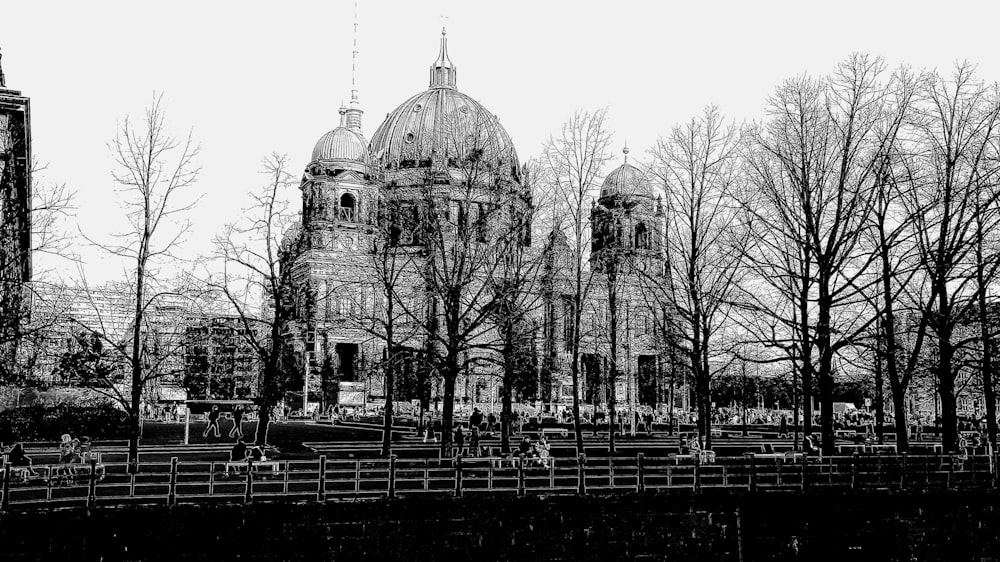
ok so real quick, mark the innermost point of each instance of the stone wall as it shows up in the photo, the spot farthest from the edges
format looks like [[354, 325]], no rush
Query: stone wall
[[716, 527]]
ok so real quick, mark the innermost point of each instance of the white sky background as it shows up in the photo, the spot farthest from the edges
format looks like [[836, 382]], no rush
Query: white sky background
[[257, 77]]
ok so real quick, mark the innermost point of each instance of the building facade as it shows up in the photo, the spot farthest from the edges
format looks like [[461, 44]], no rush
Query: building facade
[[15, 219], [440, 158]]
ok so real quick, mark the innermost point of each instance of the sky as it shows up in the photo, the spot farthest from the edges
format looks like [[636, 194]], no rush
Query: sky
[[251, 78]]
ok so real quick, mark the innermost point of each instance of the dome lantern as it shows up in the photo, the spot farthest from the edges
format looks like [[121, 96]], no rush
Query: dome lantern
[[443, 70]]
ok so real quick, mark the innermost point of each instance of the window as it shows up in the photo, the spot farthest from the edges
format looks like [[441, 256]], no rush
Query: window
[[641, 236], [568, 320], [348, 207]]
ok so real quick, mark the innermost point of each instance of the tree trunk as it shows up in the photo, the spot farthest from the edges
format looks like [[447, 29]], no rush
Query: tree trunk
[[506, 412], [448, 415], [946, 388], [899, 406], [390, 375], [986, 365], [825, 348], [263, 423], [137, 319], [879, 395]]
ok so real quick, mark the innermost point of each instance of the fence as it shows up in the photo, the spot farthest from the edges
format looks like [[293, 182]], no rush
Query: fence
[[325, 479]]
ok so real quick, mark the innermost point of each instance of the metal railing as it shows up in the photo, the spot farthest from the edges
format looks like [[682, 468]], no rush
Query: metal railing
[[332, 479]]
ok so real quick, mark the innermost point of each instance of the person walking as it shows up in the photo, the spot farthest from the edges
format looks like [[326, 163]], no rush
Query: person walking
[[459, 440], [474, 441], [237, 430], [213, 422]]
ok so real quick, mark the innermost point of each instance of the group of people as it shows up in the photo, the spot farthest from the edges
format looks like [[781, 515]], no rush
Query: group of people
[[72, 451], [241, 452], [537, 451], [213, 423]]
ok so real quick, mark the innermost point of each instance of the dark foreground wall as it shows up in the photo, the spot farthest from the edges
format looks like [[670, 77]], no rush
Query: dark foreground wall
[[814, 526]]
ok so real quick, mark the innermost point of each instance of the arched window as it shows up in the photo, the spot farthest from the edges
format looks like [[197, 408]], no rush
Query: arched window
[[348, 207], [641, 236]]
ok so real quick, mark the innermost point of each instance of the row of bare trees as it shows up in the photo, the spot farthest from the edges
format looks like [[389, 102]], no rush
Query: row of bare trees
[[858, 217]]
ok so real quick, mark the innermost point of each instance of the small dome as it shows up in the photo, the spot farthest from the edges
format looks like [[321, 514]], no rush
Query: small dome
[[341, 144], [626, 180]]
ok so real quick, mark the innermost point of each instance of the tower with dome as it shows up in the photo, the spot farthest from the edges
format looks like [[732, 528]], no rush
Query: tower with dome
[[442, 152]]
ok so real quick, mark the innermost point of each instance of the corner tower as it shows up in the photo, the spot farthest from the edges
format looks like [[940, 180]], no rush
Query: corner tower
[[627, 222]]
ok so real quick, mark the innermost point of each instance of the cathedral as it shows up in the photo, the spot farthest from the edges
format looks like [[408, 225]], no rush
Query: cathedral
[[442, 154]]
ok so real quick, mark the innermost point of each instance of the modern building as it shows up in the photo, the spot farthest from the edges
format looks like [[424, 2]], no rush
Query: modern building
[[218, 361], [15, 218]]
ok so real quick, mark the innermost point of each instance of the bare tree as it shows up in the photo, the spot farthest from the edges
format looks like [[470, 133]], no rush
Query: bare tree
[[955, 198], [574, 164], [255, 285], [460, 209], [699, 165], [154, 170], [826, 138]]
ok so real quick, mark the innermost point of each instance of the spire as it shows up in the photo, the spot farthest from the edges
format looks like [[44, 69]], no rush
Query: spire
[[443, 71], [625, 152], [353, 120]]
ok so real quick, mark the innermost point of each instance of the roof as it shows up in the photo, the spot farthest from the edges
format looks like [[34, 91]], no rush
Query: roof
[[443, 124], [626, 180]]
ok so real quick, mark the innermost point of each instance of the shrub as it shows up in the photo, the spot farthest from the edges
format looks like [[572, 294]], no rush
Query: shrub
[[47, 423]]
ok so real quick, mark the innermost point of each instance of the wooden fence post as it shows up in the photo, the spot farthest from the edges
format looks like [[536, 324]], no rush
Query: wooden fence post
[[321, 489], [5, 505], [92, 488], [902, 471], [640, 475], [172, 495], [520, 476], [248, 495], [951, 471], [392, 476], [458, 475], [805, 471], [581, 461], [854, 472], [697, 474], [611, 472], [753, 472]]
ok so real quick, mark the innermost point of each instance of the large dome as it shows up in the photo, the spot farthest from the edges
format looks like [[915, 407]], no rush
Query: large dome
[[626, 180], [441, 123]]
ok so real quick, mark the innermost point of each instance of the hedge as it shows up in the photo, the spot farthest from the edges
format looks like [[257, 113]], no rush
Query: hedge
[[47, 423]]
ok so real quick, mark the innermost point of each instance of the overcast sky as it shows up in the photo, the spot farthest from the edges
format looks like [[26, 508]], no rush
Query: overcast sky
[[255, 77]]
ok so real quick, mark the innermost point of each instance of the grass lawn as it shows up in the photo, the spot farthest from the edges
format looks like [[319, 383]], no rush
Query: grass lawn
[[287, 437]]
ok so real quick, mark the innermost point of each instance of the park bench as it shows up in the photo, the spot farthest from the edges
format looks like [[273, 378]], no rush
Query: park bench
[[845, 433], [501, 462], [788, 456], [705, 457], [849, 449], [238, 467], [883, 448], [560, 431]]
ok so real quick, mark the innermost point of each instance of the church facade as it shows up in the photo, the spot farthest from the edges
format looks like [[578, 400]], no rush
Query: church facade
[[442, 154]]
